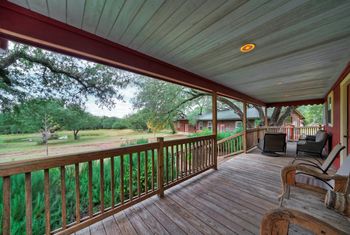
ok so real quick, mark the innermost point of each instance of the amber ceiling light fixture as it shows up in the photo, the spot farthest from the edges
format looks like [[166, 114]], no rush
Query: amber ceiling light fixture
[[248, 47]]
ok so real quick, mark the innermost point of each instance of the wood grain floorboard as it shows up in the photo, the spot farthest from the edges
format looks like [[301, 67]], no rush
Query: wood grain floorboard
[[231, 200]]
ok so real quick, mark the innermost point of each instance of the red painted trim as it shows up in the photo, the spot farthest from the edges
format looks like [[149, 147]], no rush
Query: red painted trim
[[296, 103], [342, 76], [23, 25]]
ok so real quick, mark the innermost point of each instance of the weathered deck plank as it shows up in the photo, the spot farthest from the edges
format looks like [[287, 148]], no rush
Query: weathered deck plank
[[231, 200]]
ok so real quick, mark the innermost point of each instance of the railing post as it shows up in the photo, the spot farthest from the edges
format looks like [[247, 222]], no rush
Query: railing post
[[215, 128], [160, 170], [244, 127]]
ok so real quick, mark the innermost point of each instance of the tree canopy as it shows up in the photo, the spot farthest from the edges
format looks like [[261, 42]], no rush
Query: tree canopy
[[165, 102], [28, 72]]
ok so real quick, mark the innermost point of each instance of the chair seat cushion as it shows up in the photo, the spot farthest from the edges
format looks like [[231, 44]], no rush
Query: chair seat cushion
[[310, 180]]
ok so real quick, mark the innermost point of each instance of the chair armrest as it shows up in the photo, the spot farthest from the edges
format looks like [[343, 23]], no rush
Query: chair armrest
[[277, 222]]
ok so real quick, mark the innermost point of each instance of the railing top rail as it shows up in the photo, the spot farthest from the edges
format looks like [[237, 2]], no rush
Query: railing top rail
[[254, 129], [229, 138], [17, 167], [187, 140]]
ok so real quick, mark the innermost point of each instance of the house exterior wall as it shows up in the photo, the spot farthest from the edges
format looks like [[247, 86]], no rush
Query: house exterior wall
[[226, 125], [335, 127], [182, 125]]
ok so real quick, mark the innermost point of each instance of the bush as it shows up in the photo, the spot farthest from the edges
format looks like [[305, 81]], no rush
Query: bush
[[220, 135], [120, 124]]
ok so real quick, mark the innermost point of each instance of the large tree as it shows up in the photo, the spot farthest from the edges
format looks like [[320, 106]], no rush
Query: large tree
[[165, 101], [38, 115], [76, 119], [27, 72]]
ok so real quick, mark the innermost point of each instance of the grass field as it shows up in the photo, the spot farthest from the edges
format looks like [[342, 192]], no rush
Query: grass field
[[27, 146]]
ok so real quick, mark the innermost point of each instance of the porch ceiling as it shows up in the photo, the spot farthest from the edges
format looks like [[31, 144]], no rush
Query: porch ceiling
[[302, 46]]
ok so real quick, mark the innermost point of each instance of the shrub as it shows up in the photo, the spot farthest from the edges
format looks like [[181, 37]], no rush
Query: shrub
[[220, 135]]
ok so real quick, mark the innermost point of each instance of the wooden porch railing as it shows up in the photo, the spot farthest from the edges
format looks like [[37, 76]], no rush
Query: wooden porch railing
[[127, 176], [294, 133], [230, 146], [234, 144]]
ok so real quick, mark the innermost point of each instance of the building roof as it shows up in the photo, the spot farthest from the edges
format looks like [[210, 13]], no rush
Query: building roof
[[230, 115]]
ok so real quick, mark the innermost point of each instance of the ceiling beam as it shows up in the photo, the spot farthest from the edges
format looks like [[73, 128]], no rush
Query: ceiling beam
[[23, 25], [296, 103]]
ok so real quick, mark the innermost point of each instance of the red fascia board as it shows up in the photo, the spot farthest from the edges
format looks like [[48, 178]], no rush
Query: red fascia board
[[22, 25], [296, 103]]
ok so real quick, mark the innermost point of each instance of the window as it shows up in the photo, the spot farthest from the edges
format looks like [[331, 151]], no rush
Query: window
[[200, 124], [330, 109], [239, 124], [210, 125]]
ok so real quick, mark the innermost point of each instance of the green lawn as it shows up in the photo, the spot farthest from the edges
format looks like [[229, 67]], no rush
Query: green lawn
[[25, 146]]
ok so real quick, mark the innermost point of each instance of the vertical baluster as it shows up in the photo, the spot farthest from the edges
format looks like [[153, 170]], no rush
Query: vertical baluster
[[90, 188], [121, 179], [152, 182], [146, 171], [102, 186], [182, 160], [130, 177], [177, 161], [77, 193], [197, 155], [28, 189], [160, 168], [112, 182], [172, 162], [138, 175], [6, 191], [186, 158], [166, 156], [204, 154], [63, 196], [47, 201], [191, 152], [200, 157], [198, 152], [194, 157], [209, 151]]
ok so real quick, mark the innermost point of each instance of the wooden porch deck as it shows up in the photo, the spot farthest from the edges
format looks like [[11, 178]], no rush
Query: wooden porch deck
[[231, 200]]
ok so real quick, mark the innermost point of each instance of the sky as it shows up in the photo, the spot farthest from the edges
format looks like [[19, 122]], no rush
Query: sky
[[122, 108]]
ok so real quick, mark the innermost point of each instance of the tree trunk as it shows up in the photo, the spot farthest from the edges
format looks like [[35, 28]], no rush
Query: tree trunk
[[75, 133], [285, 114]]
